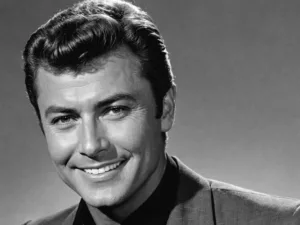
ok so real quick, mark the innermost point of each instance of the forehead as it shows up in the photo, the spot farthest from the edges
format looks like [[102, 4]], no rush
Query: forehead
[[122, 57], [117, 74]]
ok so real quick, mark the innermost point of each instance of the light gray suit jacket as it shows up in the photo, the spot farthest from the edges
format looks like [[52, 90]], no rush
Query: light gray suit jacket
[[202, 201]]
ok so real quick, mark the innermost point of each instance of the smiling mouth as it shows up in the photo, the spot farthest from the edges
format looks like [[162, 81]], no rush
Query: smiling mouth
[[103, 169]]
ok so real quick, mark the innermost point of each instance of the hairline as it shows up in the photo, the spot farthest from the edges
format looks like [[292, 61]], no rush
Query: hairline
[[92, 66]]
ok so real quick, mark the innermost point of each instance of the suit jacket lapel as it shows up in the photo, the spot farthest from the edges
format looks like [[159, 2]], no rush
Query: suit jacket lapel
[[70, 218], [194, 199]]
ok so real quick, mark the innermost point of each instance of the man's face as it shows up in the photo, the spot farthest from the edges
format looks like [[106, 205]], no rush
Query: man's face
[[101, 130]]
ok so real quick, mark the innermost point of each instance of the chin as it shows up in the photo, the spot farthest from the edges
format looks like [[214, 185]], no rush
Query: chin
[[107, 198]]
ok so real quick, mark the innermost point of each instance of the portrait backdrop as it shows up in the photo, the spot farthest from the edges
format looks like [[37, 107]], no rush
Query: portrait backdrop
[[237, 68]]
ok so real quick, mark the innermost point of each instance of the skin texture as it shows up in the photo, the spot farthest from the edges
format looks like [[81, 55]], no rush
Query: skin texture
[[102, 117]]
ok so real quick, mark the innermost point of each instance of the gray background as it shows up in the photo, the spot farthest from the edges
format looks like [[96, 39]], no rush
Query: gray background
[[238, 108]]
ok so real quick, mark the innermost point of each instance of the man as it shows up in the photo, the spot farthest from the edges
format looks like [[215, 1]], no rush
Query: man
[[99, 78]]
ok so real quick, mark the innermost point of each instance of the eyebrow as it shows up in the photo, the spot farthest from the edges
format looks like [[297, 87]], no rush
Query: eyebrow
[[108, 101]]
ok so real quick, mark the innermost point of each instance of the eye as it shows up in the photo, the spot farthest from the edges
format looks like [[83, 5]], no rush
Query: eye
[[117, 112], [63, 120]]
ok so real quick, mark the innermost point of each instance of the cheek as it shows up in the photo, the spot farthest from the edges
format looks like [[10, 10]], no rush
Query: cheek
[[134, 135], [61, 146], [127, 136]]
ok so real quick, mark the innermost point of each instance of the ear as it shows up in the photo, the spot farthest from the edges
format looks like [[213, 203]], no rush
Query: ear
[[168, 113]]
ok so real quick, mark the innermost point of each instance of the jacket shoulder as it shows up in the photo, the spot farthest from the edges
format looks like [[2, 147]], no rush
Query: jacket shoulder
[[57, 218], [233, 204]]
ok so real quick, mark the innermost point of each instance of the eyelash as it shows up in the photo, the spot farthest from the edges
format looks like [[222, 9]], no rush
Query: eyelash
[[61, 118], [121, 109]]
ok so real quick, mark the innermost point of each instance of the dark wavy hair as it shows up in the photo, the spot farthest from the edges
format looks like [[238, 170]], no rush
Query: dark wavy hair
[[76, 36]]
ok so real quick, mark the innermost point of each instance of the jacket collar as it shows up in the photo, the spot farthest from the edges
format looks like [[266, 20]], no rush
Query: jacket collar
[[70, 218], [194, 199]]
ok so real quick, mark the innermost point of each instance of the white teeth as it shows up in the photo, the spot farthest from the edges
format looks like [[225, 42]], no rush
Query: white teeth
[[102, 170]]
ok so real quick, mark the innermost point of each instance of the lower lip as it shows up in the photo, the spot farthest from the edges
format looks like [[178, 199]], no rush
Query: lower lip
[[106, 175]]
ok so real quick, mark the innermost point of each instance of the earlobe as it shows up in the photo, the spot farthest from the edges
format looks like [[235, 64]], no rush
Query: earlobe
[[168, 114]]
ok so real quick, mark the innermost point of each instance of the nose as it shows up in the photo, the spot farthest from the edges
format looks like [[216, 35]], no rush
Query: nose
[[93, 140]]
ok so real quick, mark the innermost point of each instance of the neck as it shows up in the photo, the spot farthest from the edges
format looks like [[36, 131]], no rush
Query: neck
[[121, 212]]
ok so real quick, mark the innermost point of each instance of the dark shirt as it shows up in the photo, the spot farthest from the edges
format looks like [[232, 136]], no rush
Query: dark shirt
[[155, 210]]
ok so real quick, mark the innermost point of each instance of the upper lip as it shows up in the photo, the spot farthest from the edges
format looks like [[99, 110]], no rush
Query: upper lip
[[103, 164]]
